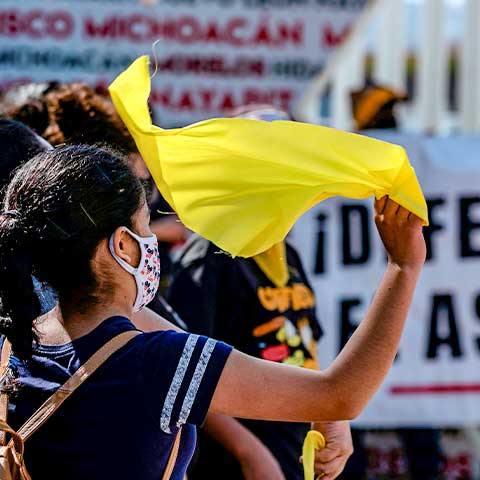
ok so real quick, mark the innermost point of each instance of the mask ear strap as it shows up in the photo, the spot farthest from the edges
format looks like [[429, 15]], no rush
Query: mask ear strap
[[140, 239]]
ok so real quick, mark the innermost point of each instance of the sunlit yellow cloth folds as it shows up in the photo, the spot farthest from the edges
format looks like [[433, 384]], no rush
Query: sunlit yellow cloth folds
[[243, 183], [273, 263]]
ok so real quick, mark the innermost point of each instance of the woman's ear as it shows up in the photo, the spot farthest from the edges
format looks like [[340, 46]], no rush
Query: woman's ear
[[126, 247]]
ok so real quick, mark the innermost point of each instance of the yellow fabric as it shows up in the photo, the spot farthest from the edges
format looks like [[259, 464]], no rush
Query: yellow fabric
[[243, 183], [273, 264], [313, 441]]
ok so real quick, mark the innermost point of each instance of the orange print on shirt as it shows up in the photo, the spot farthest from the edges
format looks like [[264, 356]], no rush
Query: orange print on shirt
[[297, 297]]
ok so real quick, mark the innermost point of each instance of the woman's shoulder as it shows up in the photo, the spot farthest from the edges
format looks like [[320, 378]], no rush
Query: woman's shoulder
[[173, 345], [180, 372]]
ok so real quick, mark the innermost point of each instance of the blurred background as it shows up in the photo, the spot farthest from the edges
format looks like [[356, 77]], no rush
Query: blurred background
[[402, 70]]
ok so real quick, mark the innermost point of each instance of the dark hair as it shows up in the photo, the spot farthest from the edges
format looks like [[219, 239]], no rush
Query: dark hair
[[18, 143], [57, 209], [72, 113]]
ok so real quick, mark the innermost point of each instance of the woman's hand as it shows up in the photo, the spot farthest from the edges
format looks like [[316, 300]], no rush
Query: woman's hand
[[331, 460], [401, 234]]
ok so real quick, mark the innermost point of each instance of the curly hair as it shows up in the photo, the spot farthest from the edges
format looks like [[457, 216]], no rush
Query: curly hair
[[70, 113]]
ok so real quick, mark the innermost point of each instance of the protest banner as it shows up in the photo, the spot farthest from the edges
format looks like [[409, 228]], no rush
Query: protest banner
[[435, 379], [212, 55]]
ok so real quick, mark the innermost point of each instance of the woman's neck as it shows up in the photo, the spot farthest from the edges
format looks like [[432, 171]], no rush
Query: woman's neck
[[60, 326]]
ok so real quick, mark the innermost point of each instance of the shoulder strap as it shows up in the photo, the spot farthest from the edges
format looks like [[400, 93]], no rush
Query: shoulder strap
[[84, 372], [172, 459], [4, 359], [52, 403]]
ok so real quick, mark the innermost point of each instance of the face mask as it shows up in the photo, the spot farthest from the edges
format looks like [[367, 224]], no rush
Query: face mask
[[147, 274]]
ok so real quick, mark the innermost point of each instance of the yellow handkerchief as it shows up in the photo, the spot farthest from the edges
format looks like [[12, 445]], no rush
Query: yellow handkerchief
[[313, 441], [243, 183]]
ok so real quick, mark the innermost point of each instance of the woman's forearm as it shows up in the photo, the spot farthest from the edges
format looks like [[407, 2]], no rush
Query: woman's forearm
[[370, 352], [255, 459], [231, 434]]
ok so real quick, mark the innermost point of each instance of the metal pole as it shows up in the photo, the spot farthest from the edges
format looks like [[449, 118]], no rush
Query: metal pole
[[432, 73], [308, 106], [341, 105], [391, 46], [468, 91]]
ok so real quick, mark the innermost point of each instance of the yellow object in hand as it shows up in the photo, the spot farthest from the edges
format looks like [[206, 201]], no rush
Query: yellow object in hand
[[242, 184], [313, 441]]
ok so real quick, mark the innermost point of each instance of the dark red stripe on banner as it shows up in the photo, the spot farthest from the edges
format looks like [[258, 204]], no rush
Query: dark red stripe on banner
[[435, 389]]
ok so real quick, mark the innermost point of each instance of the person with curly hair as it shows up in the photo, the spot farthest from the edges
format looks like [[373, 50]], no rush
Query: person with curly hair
[[75, 113]]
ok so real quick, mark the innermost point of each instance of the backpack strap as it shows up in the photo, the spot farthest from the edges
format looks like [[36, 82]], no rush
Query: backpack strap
[[52, 403], [82, 374], [17, 440], [172, 459], [4, 359]]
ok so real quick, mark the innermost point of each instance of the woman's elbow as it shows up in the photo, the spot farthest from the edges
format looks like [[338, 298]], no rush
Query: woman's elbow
[[344, 410], [352, 411], [342, 405]]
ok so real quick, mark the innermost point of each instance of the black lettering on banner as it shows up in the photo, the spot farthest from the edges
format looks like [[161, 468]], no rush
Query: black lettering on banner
[[467, 226], [360, 213], [295, 68], [89, 60], [347, 323], [443, 318], [320, 254], [477, 311], [434, 226]]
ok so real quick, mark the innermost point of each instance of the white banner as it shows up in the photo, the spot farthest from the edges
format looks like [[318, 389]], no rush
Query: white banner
[[436, 377], [213, 55]]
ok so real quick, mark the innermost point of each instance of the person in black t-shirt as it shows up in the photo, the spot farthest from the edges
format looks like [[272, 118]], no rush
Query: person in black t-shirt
[[234, 300], [272, 322], [265, 307]]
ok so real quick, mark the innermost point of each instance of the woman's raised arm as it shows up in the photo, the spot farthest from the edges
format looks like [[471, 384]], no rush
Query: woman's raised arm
[[254, 388]]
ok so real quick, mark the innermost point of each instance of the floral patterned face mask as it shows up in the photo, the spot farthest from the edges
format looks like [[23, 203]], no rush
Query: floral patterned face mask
[[147, 274]]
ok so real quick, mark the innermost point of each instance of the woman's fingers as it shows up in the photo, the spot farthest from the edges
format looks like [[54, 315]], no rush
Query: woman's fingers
[[401, 233], [330, 469], [390, 209], [380, 205], [402, 215]]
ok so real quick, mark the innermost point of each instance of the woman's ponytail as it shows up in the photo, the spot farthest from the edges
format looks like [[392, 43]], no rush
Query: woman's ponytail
[[19, 304]]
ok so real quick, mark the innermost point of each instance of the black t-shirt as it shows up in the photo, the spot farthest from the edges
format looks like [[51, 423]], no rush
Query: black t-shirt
[[234, 301]]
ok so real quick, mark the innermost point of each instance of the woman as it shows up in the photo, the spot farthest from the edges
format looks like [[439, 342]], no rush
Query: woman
[[19, 143], [76, 218]]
